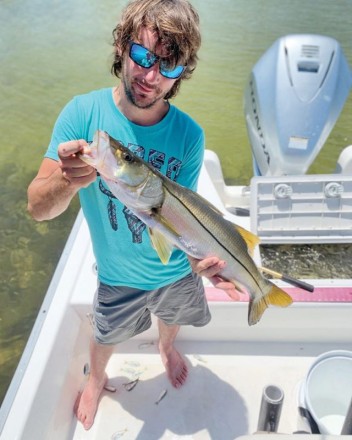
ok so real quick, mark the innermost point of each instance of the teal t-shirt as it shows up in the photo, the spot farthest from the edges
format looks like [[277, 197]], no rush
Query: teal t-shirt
[[120, 240]]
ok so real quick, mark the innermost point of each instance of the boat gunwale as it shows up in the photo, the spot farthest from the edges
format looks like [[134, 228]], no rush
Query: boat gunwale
[[38, 324]]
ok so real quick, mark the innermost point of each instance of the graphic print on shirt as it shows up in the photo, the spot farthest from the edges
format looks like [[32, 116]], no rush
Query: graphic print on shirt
[[156, 158], [111, 206], [173, 168], [135, 225]]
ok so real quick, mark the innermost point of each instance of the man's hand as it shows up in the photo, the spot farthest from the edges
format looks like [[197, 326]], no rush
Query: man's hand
[[56, 183], [77, 172], [209, 268]]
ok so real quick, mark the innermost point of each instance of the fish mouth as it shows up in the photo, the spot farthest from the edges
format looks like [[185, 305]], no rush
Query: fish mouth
[[116, 145]]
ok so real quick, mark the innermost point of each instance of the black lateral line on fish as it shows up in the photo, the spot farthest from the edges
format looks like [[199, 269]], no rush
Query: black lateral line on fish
[[214, 237]]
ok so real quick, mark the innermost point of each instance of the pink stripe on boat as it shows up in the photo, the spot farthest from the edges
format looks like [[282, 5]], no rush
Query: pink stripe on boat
[[320, 294]]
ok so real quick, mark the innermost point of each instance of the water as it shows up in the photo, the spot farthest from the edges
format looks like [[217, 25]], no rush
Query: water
[[52, 50], [309, 260]]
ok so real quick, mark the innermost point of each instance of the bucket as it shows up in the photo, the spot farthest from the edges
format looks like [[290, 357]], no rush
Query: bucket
[[327, 390]]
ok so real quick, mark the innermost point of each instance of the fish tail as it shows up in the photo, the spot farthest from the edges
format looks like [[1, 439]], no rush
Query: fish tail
[[257, 305]]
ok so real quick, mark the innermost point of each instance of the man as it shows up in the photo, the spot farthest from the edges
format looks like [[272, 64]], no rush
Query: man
[[156, 44]]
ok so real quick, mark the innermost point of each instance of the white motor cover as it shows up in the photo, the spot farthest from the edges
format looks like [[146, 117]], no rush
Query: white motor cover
[[294, 96]]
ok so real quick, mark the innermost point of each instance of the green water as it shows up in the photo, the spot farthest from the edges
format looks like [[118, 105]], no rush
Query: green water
[[51, 50]]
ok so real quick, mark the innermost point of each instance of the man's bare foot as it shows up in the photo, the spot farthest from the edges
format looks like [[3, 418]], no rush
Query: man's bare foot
[[175, 366], [87, 402]]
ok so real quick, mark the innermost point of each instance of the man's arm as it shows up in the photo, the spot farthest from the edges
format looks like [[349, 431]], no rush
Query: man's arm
[[56, 183]]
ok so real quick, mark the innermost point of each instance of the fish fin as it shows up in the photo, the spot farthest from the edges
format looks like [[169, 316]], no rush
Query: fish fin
[[251, 239], [167, 225], [162, 246], [275, 297]]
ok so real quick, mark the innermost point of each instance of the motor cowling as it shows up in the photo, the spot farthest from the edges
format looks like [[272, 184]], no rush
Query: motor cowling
[[292, 100]]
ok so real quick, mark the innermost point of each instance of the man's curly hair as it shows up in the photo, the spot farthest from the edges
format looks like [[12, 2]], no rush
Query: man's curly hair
[[176, 24]]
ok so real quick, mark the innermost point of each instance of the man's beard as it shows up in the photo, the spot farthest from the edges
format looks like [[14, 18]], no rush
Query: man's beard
[[139, 103]]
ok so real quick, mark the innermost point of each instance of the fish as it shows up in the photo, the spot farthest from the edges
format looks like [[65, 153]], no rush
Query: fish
[[177, 217], [130, 385], [161, 396]]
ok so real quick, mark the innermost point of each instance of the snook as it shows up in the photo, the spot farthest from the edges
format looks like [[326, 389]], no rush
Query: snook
[[178, 217]]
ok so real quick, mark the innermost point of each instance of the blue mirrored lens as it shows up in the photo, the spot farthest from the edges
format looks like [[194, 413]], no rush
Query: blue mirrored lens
[[142, 56], [172, 74], [145, 58]]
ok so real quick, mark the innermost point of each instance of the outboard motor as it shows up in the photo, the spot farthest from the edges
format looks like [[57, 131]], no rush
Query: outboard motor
[[294, 96]]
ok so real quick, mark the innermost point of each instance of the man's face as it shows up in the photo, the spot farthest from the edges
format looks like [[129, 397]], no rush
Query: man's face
[[145, 87]]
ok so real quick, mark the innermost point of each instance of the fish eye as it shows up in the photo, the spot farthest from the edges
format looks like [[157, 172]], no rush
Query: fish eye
[[128, 157]]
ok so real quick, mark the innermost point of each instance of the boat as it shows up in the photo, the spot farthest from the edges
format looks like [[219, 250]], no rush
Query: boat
[[243, 381]]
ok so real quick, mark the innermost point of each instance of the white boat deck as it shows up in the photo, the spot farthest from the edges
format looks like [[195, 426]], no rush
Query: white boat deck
[[220, 400]]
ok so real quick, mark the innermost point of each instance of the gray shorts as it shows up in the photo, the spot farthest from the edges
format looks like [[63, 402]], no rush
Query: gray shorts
[[121, 312]]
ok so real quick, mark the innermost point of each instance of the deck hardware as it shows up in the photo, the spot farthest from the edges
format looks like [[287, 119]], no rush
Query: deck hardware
[[282, 191], [270, 408], [333, 189]]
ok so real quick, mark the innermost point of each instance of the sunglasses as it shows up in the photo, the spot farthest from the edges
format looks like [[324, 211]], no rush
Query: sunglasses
[[145, 58]]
